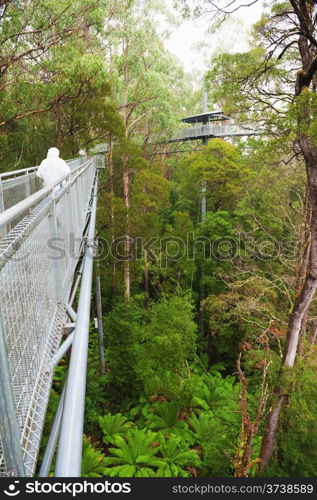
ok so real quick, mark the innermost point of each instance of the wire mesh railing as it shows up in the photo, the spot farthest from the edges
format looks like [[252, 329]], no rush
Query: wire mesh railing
[[19, 184], [38, 257]]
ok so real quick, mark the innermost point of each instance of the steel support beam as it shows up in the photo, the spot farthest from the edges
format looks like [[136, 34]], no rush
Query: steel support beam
[[99, 322], [63, 349], [70, 311], [1, 197], [53, 438]]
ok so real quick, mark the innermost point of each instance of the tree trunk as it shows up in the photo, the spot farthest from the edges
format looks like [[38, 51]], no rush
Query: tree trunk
[[126, 264], [300, 308], [146, 280], [313, 336], [306, 78], [112, 219], [305, 244], [126, 184], [210, 353]]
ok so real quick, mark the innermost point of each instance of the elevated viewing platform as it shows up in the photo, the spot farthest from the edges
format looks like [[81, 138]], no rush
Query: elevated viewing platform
[[204, 126], [209, 125]]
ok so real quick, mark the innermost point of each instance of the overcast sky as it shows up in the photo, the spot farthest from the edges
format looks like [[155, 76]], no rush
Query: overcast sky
[[193, 45]]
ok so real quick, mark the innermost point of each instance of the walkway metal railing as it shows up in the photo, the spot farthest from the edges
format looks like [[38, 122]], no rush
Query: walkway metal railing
[[38, 259], [217, 129], [68, 461], [17, 185]]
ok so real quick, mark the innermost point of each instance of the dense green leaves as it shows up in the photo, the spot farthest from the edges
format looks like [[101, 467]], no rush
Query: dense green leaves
[[92, 464], [155, 346], [73, 74], [135, 457], [113, 426]]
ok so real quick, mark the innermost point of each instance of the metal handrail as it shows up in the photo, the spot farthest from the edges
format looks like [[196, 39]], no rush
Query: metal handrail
[[27, 170], [11, 213], [20, 171], [69, 454]]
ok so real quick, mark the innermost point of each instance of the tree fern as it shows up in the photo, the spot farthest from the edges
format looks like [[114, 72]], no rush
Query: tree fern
[[141, 411], [176, 457], [114, 426], [92, 461], [134, 456], [214, 391], [166, 419]]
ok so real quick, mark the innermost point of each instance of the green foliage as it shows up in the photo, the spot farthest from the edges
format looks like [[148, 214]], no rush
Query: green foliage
[[92, 464], [166, 419], [156, 346], [78, 73], [141, 411], [221, 166], [227, 89], [53, 77], [297, 438], [146, 454], [122, 354], [113, 426], [96, 393], [133, 457], [216, 421], [213, 390], [169, 337], [176, 457]]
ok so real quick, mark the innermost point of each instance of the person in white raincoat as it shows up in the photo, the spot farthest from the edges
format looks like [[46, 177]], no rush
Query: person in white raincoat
[[52, 168]]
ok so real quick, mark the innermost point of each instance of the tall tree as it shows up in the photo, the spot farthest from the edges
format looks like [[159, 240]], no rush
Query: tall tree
[[146, 84], [50, 57], [286, 57]]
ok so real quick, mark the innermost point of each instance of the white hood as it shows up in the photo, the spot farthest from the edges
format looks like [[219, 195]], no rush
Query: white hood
[[53, 153]]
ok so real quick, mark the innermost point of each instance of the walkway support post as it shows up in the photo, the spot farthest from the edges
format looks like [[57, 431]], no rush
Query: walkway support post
[[56, 263], [2, 229], [69, 454], [203, 219], [1, 197], [99, 322], [204, 184]]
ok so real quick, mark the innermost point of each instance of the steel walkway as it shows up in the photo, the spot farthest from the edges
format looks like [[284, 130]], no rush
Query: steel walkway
[[46, 252]]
